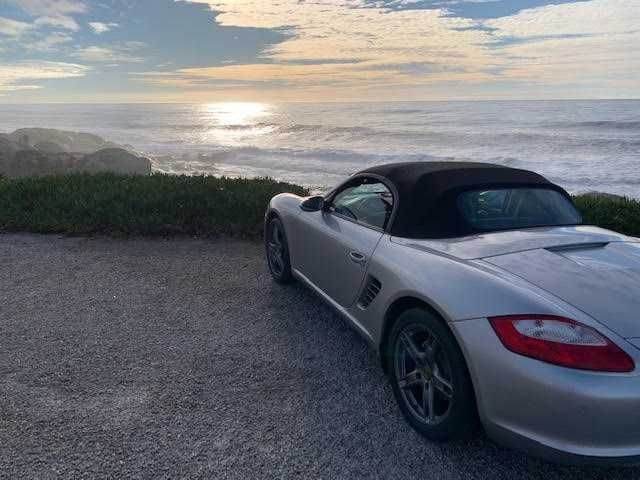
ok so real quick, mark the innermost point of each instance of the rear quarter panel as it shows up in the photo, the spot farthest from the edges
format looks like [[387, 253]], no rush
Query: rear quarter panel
[[457, 289], [465, 293]]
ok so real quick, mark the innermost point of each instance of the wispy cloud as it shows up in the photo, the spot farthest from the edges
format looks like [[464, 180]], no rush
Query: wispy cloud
[[355, 44], [52, 13], [101, 27], [590, 43], [12, 28], [48, 42], [50, 7], [58, 21], [19, 76], [121, 53], [338, 49]]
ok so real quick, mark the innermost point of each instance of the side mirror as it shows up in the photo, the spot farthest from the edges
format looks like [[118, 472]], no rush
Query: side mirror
[[313, 204]]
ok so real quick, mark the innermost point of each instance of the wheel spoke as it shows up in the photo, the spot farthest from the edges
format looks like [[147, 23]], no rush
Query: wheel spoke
[[443, 386], [275, 257], [432, 350], [276, 237], [279, 262], [428, 402], [412, 349], [410, 380]]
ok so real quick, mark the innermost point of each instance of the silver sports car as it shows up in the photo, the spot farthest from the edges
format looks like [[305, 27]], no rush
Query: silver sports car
[[489, 302]]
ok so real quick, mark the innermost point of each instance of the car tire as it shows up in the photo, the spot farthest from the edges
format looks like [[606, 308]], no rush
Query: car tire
[[277, 251], [423, 379]]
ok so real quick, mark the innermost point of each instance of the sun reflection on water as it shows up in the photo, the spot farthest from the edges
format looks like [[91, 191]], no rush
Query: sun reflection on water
[[236, 113]]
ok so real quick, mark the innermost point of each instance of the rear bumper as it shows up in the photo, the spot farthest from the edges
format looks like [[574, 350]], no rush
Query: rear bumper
[[564, 415], [516, 441]]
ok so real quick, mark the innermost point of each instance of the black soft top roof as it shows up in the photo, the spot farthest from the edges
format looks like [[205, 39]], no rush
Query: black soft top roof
[[426, 193]]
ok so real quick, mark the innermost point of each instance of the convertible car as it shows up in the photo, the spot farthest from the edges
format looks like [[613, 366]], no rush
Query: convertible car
[[489, 301]]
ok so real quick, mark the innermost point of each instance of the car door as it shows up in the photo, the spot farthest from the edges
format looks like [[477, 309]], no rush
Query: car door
[[335, 244]]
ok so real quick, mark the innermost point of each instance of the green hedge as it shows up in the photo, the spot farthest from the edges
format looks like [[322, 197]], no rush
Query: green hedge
[[619, 214], [137, 205], [166, 205]]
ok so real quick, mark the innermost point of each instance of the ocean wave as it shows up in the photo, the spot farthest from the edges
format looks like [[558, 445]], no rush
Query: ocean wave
[[312, 163], [246, 126], [410, 133], [325, 167], [604, 124], [403, 111], [578, 144], [198, 127], [426, 136], [603, 180], [321, 155], [328, 130]]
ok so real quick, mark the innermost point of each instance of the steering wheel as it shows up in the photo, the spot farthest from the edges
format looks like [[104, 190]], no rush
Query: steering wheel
[[343, 209]]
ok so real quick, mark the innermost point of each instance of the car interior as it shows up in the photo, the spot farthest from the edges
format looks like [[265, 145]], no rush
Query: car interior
[[367, 203], [516, 208]]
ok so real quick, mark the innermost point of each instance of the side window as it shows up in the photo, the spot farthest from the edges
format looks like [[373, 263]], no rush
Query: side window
[[368, 201]]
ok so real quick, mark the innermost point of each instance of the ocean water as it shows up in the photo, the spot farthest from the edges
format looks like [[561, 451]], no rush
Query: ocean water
[[582, 145]]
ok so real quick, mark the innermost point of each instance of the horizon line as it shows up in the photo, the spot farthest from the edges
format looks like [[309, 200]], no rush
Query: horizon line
[[204, 102]]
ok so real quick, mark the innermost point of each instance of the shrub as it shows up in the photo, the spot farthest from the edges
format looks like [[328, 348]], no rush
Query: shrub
[[137, 205], [615, 213], [122, 205]]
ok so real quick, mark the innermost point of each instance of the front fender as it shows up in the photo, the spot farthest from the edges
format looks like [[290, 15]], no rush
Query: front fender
[[287, 207]]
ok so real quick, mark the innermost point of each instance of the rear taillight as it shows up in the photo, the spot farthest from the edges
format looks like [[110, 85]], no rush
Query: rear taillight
[[561, 341]]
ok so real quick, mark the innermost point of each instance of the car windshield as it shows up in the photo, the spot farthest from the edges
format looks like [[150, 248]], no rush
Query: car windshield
[[509, 208]]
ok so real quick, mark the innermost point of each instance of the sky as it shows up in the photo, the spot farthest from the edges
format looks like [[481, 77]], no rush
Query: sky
[[95, 51]]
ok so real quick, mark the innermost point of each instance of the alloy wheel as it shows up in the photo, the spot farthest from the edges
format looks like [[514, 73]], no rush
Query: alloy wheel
[[276, 249], [423, 374]]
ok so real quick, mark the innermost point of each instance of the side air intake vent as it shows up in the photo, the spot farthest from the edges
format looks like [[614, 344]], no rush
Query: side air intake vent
[[370, 292]]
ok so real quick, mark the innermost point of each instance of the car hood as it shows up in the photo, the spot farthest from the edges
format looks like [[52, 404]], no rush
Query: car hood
[[601, 279], [500, 243]]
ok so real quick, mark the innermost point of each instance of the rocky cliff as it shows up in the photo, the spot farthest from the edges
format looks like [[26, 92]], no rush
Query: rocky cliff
[[39, 151]]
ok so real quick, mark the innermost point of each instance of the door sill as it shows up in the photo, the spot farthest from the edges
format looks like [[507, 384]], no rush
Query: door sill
[[339, 308]]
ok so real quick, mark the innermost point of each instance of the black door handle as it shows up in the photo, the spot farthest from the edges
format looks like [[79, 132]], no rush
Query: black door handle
[[357, 257]]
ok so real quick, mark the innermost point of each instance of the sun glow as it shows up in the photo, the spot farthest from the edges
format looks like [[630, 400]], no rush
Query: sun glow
[[236, 113]]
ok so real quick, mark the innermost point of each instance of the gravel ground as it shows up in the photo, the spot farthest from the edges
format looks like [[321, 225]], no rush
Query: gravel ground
[[181, 359]]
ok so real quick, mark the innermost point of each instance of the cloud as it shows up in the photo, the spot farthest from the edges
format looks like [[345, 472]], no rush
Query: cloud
[[50, 7], [359, 44], [58, 21], [100, 27], [48, 42], [52, 13], [12, 28], [114, 55], [19, 76], [582, 18], [588, 43], [366, 48], [352, 43]]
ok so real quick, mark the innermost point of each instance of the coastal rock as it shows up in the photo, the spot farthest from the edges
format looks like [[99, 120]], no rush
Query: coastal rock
[[8, 150], [39, 151], [26, 163], [8, 147], [72, 142], [49, 147], [602, 195], [115, 160]]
